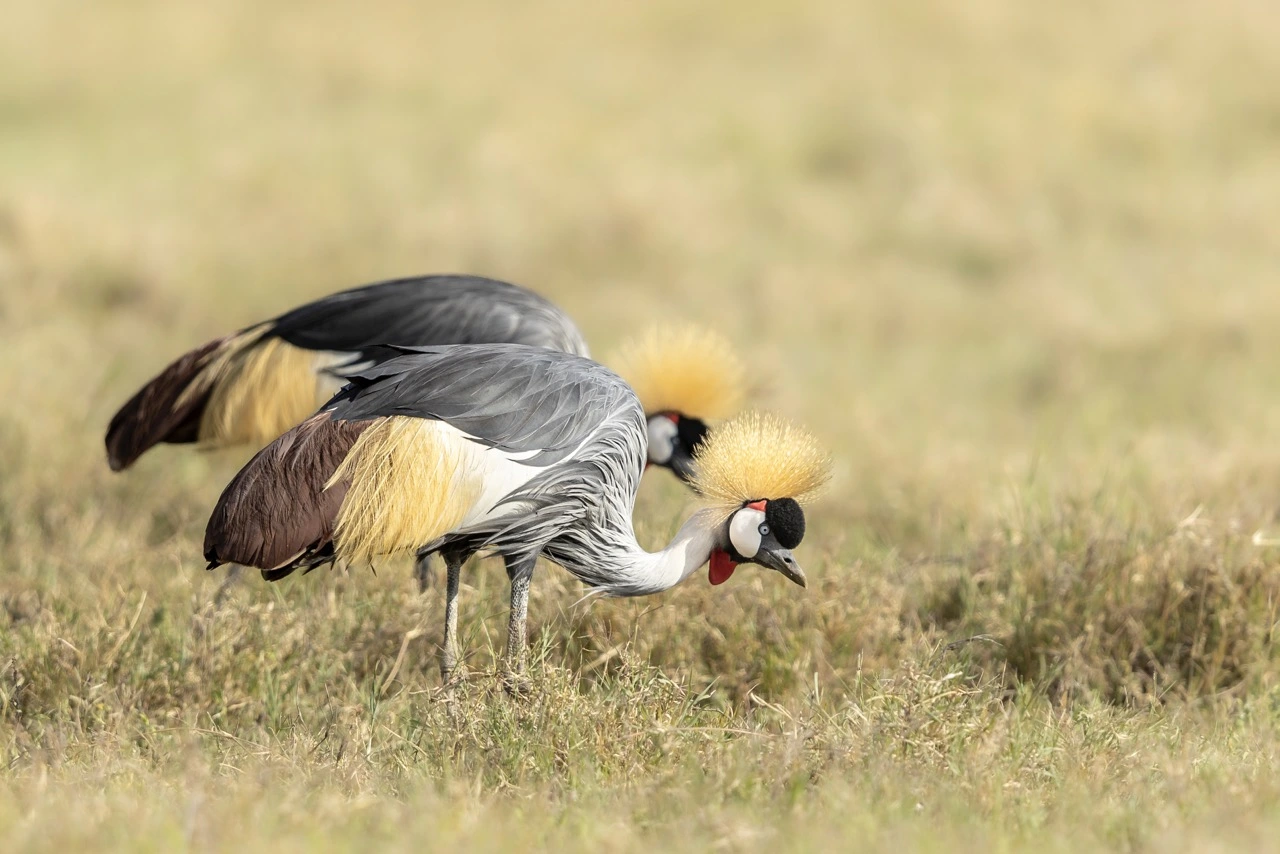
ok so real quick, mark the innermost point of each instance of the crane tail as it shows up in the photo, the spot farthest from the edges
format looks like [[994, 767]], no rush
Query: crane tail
[[279, 512], [167, 409], [246, 388]]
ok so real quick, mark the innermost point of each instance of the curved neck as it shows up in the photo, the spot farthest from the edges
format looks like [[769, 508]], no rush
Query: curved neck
[[632, 571]]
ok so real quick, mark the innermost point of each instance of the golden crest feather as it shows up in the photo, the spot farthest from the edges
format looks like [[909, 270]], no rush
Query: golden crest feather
[[760, 455], [687, 369]]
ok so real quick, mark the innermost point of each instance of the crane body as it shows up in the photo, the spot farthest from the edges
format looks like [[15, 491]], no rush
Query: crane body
[[502, 449]]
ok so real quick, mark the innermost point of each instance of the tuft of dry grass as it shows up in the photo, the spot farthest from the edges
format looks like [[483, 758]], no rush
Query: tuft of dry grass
[[1014, 264]]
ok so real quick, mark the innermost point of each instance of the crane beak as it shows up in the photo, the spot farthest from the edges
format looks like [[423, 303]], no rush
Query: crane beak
[[783, 561], [681, 465]]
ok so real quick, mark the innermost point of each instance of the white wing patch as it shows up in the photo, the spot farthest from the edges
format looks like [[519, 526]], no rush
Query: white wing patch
[[496, 474], [411, 481]]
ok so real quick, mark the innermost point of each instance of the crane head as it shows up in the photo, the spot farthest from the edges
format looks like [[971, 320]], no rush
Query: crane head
[[685, 377], [674, 440], [762, 532], [752, 456]]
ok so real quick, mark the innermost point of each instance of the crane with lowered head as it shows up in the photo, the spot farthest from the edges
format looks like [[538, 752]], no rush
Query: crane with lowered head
[[516, 451]]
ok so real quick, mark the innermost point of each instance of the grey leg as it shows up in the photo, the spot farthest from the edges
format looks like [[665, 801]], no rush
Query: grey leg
[[449, 659], [228, 581], [520, 572], [422, 572]]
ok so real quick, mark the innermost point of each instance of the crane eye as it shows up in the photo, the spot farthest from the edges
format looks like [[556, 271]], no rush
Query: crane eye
[[764, 529]]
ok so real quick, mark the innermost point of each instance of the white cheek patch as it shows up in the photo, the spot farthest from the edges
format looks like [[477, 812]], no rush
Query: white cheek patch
[[744, 531], [661, 431]]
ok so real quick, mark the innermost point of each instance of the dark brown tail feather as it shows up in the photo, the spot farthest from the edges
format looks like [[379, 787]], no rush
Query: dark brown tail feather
[[153, 415], [276, 514]]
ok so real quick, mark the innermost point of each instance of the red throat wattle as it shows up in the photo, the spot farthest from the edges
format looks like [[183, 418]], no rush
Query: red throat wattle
[[722, 566]]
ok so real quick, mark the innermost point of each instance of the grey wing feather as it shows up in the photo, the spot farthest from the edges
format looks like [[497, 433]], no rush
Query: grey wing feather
[[576, 513], [529, 401], [429, 310]]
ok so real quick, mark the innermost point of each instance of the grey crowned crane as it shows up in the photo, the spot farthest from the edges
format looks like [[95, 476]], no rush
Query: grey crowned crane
[[512, 450], [249, 387]]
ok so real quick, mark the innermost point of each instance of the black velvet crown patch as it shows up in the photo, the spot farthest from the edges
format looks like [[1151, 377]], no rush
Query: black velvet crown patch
[[786, 521], [691, 432]]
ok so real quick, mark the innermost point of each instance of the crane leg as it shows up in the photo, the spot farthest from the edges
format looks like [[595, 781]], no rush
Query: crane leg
[[520, 571], [228, 581], [422, 572], [449, 657]]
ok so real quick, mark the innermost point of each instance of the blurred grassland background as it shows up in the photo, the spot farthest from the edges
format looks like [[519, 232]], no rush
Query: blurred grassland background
[[1015, 263]]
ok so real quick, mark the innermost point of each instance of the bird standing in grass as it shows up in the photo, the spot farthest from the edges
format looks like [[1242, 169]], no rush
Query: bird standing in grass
[[512, 450]]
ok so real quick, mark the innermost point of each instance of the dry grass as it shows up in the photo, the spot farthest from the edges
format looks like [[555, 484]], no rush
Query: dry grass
[[1014, 263]]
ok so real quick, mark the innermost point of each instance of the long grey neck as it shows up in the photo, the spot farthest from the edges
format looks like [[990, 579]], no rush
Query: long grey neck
[[637, 572]]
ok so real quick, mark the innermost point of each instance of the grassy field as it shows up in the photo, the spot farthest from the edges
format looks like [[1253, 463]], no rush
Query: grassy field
[[1015, 263]]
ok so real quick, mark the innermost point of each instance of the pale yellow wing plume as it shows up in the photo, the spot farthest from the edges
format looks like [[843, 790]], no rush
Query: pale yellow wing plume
[[261, 391], [410, 480]]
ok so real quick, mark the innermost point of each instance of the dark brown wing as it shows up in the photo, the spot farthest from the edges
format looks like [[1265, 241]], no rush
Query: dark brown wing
[[276, 514], [154, 415]]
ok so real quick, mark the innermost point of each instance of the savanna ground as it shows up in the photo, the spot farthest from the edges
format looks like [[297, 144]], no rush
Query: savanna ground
[[1015, 263]]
